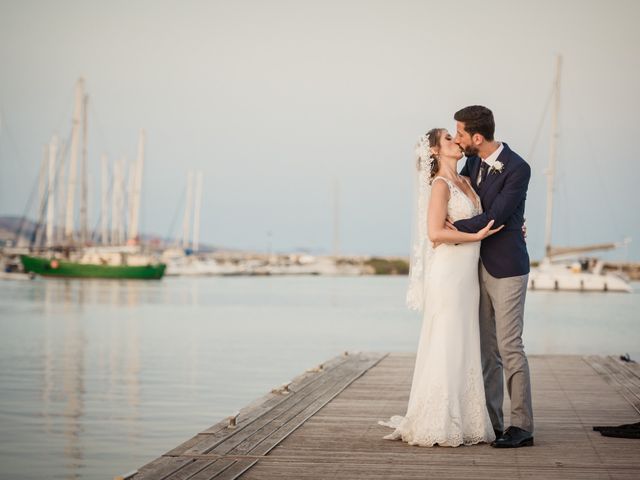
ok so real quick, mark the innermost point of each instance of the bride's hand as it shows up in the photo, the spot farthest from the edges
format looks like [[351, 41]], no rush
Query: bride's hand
[[488, 231]]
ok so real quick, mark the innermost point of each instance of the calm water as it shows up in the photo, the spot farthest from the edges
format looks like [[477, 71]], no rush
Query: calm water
[[99, 377]]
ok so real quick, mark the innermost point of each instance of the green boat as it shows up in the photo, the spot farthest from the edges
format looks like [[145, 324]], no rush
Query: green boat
[[60, 268]]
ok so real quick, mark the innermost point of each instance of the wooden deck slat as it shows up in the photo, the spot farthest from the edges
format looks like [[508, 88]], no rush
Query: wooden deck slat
[[184, 446], [627, 379], [620, 377], [270, 400], [218, 433], [328, 428], [623, 371], [275, 415], [236, 469], [283, 425], [215, 470], [162, 468], [188, 471], [293, 403]]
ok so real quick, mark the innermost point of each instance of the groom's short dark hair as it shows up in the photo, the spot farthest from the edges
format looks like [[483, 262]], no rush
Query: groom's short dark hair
[[477, 119]]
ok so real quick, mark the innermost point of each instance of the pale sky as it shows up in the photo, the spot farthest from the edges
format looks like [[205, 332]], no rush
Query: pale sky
[[274, 99]]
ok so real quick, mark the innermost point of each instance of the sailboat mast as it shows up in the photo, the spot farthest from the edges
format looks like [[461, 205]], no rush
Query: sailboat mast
[[552, 157], [336, 217], [196, 212], [42, 181], [83, 192], [137, 188], [73, 162], [53, 152], [187, 211], [114, 201], [130, 193], [42, 194], [60, 185], [121, 199], [117, 202], [105, 201]]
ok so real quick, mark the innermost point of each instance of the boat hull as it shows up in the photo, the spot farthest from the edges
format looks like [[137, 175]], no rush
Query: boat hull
[[60, 268], [576, 282]]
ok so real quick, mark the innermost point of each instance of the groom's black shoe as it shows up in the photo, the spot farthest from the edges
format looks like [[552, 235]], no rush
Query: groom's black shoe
[[514, 437]]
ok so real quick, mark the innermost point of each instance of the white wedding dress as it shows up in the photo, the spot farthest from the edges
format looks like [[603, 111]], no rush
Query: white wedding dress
[[447, 403]]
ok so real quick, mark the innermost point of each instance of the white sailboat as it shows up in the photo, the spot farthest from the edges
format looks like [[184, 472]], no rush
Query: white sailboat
[[184, 259], [562, 268]]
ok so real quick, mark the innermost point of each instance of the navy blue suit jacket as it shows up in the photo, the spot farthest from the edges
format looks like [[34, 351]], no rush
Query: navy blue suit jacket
[[503, 254]]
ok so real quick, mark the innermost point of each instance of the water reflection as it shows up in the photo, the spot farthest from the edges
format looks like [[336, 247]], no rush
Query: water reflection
[[75, 294], [73, 388], [131, 374], [64, 357]]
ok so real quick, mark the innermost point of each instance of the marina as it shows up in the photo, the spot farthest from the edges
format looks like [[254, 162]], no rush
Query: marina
[[323, 424], [55, 246], [58, 246]]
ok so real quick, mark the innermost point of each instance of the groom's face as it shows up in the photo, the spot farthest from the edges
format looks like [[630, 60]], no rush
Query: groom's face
[[465, 141]]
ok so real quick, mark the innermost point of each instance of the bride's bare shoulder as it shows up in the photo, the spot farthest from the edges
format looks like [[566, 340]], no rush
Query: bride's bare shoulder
[[440, 189]]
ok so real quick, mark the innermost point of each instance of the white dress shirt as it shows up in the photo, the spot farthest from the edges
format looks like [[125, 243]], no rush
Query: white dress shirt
[[491, 160]]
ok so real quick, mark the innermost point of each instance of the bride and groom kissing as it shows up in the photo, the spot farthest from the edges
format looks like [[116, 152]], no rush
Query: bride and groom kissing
[[468, 275]]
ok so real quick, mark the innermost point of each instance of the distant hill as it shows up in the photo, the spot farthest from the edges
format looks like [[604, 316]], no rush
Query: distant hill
[[10, 225]]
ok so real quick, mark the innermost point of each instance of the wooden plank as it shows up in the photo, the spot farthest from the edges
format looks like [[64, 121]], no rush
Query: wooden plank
[[190, 470], [283, 427], [343, 442], [327, 428], [215, 470], [270, 400], [624, 370], [202, 456], [291, 403], [237, 469], [162, 468], [626, 378], [220, 431], [183, 447], [618, 377], [633, 367]]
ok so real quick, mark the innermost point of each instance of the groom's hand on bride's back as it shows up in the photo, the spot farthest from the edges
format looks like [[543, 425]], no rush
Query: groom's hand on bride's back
[[448, 224], [524, 228]]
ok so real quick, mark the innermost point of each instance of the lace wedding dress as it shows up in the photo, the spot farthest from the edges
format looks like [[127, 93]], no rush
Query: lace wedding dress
[[447, 403]]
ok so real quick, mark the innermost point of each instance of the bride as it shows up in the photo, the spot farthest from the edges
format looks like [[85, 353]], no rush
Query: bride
[[447, 402]]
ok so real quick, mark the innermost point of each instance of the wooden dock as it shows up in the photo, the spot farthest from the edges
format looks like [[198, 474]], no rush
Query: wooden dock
[[323, 425]]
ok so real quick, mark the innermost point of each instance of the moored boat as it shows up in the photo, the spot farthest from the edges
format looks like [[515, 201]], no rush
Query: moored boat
[[565, 268], [576, 276], [54, 267]]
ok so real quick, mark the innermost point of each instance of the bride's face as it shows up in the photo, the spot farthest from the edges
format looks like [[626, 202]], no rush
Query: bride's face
[[448, 147]]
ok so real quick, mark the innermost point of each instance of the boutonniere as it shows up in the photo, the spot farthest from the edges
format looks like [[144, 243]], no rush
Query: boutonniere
[[496, 167]]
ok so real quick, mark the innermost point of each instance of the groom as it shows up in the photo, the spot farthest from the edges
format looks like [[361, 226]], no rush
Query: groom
[[500, 177]]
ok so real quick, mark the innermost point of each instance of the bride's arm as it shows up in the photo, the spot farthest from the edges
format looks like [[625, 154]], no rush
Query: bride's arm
[[437, 216]]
